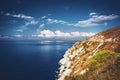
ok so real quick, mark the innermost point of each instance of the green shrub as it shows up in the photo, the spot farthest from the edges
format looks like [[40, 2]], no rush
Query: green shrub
[[100, 58]]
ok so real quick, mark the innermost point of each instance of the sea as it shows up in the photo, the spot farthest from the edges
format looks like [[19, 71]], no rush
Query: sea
[[31, 59]]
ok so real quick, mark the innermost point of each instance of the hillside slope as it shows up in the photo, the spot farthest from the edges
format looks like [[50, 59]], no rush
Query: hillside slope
[[96, 58]]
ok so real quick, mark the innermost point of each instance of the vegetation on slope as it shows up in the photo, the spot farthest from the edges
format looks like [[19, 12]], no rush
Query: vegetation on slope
[[99, 59], [104, 65]]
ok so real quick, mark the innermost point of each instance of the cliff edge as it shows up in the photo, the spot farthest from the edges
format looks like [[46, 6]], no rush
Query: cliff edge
[[96, 58]]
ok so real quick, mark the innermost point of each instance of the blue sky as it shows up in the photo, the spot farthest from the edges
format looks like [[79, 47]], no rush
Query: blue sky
[[56, 19]]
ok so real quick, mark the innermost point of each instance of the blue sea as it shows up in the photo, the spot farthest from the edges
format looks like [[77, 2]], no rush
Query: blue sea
[[31, 60]]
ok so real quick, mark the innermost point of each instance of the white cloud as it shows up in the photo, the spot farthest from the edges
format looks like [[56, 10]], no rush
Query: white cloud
[[50, 21], [18, 36], [44, 17], [95, 20], [8, 14], [93, 13], [5, 37], [42, 25], [82, 34], [85, 24], [29, 20], [25, 26], [32, 22], [20, 30], [60, 34], [22, 16], [46, 33]]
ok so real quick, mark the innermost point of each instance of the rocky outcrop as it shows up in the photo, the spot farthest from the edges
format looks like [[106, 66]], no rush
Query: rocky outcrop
[[76, 59]]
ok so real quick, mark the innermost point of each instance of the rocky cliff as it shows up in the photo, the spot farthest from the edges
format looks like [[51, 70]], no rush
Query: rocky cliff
[[91, 59]]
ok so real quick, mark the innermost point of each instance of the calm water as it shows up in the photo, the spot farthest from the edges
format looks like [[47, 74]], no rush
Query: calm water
[[30, 60]]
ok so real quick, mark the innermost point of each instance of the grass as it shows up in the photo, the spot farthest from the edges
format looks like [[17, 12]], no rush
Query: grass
[[100, 58], [96, 64]]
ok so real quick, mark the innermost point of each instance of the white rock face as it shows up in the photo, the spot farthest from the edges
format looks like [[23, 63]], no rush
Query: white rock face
[[65, 64], [78, 50]]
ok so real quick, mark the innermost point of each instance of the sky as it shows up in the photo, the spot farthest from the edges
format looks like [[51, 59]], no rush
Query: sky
[[56, 19]]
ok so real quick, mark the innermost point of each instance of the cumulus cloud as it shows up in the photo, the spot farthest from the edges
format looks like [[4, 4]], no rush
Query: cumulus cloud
[[60, 34], [46, 33]]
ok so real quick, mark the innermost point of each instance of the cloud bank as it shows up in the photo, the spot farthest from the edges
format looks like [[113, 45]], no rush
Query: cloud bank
[[59, 34]]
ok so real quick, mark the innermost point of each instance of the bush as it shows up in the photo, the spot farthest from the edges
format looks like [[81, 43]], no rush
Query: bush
[[100, 58]]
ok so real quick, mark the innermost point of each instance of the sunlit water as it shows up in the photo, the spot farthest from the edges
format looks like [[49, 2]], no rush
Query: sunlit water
[[30, 60]]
